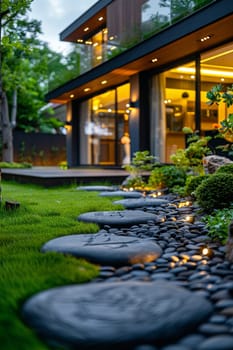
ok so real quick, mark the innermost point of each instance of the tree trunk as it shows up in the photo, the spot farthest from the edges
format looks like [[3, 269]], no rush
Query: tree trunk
[[14, 108], [7, 135]]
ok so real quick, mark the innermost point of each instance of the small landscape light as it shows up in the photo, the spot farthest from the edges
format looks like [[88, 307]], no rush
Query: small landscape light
[[190, 218], [206, 252], [184, 204], [153, 195]]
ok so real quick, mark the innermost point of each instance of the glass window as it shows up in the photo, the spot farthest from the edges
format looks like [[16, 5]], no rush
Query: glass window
[[123, 113], [179, 103], [103, 122], [216, 68]]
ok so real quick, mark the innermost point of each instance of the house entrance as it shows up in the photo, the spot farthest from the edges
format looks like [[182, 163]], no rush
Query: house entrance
[[104, 132]]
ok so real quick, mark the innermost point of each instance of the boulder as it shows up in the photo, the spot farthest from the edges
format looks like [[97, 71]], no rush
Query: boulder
[[213, 162]]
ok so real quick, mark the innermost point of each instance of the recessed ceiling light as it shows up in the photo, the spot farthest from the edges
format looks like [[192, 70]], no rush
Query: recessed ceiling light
[[100, 18], [71, 95], [154, 60], [103, 82], [79, 40], [87, 89], [204, 38], [86, 29]]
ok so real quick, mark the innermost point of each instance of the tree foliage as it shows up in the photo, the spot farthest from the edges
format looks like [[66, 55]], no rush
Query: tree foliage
[[24, 75]]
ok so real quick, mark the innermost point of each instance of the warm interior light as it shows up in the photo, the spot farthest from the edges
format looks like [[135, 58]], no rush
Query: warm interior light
[[100, 18], [103, 82], [86, 89], [79, 40], [205, 71], [71, 95], [154, 60], [86, 29]]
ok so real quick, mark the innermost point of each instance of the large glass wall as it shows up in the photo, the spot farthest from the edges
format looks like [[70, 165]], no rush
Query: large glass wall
[[179, 100], [172, 108], [174, 98], [103, 123], [216, 68]]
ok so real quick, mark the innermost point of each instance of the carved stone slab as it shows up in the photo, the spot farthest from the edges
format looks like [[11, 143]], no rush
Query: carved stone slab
[[106, 249], [141, 202], [114, 315], [125, 194], [117, 217]]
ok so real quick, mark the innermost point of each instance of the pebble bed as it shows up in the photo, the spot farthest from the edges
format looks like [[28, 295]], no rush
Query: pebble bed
[[183, 262]]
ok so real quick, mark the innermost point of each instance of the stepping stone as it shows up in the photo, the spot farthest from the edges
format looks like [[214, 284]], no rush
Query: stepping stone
[[114, 315], [96, 188], [141, 202], [125, 194], [106, 248], [118, 217]]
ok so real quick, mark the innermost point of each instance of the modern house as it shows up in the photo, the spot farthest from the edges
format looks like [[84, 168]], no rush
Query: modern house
[[144, 73]]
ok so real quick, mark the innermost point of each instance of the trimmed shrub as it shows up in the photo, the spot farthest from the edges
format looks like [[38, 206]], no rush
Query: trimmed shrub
[[192, 183], [227, 168], [167, 176], [216, 192]]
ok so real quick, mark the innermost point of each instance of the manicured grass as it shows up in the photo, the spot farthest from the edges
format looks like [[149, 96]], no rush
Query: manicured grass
[[43, 214]]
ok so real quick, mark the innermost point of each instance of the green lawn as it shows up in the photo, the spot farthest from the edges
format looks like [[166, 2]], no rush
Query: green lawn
[[43, 214]]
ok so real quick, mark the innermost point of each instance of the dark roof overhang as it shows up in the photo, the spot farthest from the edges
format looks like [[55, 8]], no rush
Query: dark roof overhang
[[88, 19], [173, 43]]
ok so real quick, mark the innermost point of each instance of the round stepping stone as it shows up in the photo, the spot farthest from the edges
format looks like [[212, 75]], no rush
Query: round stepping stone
[[117, 217], [106, 249], [96, 188], [141, 202], [125, 194], [114, 315]]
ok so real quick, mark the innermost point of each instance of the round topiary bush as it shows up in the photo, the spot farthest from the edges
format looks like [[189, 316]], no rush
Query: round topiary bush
[[216, 192], [227, 168], [192, 183]]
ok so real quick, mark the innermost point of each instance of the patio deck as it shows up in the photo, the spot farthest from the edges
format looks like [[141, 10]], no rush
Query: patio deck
[[55, 176]]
